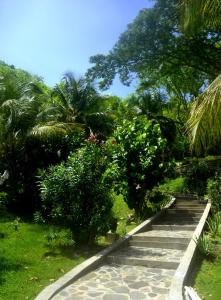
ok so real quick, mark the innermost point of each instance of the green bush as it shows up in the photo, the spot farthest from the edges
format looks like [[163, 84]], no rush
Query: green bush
[[214, 192], [74, 195], [205, 245], [197, 173], [58, 238], [3, 202], [214, 224], [140, 160]]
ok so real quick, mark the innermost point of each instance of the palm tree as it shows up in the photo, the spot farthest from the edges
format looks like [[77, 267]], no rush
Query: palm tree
[[77, 103], [17, 118], [204, 125]]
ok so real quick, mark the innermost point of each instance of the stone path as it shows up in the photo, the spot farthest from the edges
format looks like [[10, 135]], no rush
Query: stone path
[[144, 268], [113, 282]]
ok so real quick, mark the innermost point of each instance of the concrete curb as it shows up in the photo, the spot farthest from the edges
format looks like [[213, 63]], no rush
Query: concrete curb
[[178, 282], [90, 264]]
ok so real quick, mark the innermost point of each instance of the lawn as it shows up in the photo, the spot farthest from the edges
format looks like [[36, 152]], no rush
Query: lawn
[[208, 279], [28, 263]]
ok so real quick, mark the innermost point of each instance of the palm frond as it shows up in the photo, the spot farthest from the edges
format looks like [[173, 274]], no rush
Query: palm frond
[[51, 130], [204, 124], [199, 14]]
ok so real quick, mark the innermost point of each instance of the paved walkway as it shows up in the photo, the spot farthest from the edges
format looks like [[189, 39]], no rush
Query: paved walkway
[[144, 268], [120, 282]]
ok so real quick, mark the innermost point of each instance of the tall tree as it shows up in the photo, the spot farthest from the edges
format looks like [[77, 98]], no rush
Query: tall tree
[[154, 50]]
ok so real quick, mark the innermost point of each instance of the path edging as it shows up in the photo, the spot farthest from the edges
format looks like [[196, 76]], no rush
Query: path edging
[[178, 281]]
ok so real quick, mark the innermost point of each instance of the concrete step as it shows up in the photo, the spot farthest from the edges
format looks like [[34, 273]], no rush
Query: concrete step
[[188, 211], [190, 200], [189, 206], [185, 196], [150, 257], [186, 216], [159, 238], [159, 244], [179, 220], [194, 202], [186, 227], [182, 234], [142, 262]]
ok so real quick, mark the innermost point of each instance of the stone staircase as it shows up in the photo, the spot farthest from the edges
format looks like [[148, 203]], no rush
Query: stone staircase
[[144, 267]]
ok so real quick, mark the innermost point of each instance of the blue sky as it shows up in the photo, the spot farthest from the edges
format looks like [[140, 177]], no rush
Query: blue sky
[[50, 37]]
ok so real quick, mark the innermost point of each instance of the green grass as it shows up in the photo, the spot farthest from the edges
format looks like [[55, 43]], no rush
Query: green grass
[[28, 264], [177, 185], [208, 280]]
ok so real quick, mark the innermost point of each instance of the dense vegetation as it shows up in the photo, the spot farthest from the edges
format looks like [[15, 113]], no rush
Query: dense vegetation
[[68, 152]]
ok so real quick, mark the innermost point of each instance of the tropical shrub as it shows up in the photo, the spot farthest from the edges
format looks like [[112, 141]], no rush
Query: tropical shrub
[[139, 160], [214, 192], [214, 224], [197, 173], [74, 195], [3, 201], [205, 245]]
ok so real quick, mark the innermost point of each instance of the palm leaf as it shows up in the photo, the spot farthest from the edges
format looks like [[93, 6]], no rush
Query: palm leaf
[[204, 124], [55, 129], [199, 14]]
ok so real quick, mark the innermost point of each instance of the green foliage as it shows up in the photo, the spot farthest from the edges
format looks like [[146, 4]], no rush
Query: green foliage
[[177, 185], [197, 173], [204, 125], [200, 15], [214, 224], [155, 200], [139, 160], [153, 48], [13, 82], [75, 101], [205, 246], [3, 201], [214, 192], [74, 194], [59, 238]]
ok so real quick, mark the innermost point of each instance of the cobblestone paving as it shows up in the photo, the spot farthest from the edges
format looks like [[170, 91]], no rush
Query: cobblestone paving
[[120, 282]]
